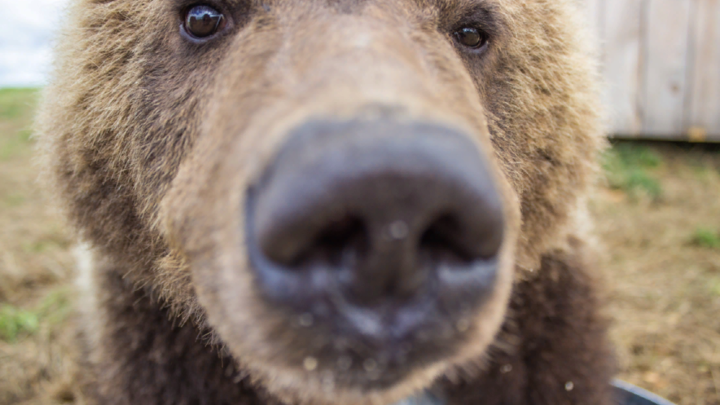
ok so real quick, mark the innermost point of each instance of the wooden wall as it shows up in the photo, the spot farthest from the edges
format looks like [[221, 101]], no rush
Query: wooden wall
[[661, 63]]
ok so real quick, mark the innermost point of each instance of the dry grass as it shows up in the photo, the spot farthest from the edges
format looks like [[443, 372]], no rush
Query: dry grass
[[35, 265], [659, 218], [661, 239]]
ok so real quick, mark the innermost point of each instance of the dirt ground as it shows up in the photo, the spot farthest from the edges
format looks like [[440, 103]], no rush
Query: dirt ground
[[659, 221], [658, 218]]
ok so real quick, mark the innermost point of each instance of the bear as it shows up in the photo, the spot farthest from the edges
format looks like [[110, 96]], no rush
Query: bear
[[330, 201]]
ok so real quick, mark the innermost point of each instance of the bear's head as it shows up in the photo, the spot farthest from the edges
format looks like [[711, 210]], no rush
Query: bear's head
[[340, 190]]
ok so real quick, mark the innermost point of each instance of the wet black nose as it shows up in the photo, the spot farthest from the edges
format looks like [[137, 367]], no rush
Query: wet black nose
[[372, 211]]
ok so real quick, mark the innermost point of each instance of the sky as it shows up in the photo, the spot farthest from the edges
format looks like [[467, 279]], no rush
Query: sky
[[26, 34]]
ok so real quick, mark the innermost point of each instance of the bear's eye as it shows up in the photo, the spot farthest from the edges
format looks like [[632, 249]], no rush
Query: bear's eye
[[471, 37], [203, 21]]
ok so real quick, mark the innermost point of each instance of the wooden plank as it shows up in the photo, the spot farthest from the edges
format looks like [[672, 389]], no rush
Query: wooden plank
[[622, 64], [703, 106], [665, 43]]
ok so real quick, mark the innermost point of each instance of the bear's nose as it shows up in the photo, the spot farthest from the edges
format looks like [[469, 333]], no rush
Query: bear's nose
[[375, 211]]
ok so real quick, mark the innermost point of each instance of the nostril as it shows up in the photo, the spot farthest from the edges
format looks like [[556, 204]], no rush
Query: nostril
[[340, 241], [443, 241], [447, 240]]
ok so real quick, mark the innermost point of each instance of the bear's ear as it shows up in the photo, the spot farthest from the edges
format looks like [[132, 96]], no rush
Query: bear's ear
[[423, 399]]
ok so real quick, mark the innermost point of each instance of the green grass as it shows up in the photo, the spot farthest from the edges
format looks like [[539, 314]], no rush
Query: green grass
[[15, 144], [629, 167], [714, 285], [17, 107], [706, 238], [16, 103], [55, 307], [13, 200], [16, 323], [40, 246]]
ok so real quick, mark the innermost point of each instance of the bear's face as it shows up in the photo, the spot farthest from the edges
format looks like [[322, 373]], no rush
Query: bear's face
[[341, 189]]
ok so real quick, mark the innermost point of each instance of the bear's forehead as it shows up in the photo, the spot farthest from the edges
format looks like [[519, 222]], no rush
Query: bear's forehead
[[352, 4]]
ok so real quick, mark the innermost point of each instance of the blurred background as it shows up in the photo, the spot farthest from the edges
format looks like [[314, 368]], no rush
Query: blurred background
[[657, 209]]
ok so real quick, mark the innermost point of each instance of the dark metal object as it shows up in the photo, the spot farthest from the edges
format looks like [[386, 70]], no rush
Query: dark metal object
[[626, 394], [424, 399]]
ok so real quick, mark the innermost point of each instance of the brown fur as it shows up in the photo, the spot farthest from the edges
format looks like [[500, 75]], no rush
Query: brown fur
[[151, 140], [554, 333]]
